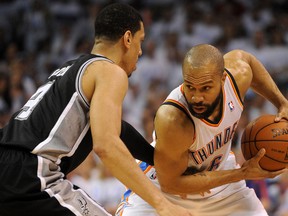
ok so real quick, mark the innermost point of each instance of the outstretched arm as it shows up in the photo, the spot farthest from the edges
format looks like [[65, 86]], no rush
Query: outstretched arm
[[109, 89]]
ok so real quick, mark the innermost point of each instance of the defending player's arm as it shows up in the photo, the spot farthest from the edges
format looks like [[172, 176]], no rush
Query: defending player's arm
[[136, 143], [248, 72], [109, 90], [174, 131]]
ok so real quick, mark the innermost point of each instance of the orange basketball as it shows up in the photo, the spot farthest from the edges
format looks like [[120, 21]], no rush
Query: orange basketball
[[263, 132]]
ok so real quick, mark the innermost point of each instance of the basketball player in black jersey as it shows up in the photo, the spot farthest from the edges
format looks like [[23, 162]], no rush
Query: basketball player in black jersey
[[79, 110]]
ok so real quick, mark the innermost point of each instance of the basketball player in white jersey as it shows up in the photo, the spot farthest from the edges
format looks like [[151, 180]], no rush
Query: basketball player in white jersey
[[194, 127], [78, 110]]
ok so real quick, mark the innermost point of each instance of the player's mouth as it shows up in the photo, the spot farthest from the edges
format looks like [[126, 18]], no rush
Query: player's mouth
[[199, 109]]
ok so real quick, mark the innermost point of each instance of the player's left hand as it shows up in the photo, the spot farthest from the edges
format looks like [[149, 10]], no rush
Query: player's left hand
[[282, 113]]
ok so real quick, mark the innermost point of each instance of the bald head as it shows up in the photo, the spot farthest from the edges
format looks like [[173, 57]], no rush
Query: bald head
[[203, 55]]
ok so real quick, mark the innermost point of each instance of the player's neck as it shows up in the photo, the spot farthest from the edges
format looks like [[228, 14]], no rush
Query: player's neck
[[107, 49]]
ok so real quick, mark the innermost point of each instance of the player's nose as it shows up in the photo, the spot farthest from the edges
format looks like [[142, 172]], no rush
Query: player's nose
[[197, 98]]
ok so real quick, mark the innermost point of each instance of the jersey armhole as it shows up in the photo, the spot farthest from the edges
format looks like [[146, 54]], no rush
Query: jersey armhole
[[235, 87], [80, 74]]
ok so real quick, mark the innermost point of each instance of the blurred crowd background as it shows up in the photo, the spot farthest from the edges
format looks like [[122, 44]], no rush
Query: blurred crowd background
[[37, 36]]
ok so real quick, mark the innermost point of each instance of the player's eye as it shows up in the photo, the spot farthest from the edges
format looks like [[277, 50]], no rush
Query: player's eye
[[206, 88], [189, 87]]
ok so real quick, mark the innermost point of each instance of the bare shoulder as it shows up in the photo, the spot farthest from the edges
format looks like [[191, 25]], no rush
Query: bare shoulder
[[103, 74], [105, 69], [237, 62], [171, 116], [174, 132]]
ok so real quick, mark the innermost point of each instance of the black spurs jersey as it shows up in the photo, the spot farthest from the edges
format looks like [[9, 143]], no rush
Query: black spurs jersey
[[54, 122]]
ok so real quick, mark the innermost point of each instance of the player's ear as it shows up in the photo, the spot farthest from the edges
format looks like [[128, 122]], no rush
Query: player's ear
[[127, 39], [224, 75]]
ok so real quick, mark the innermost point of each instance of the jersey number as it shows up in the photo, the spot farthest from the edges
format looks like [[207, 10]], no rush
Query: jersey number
[[33, 101], [215, 163]]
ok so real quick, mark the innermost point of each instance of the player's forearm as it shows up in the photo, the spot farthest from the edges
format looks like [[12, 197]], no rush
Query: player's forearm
[[136, 143], [123, 166], [203, 181]]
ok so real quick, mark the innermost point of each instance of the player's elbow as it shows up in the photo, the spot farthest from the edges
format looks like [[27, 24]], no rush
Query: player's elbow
[[102, 145], [171, 186], [165, 187], [238, 54], [100, 150]]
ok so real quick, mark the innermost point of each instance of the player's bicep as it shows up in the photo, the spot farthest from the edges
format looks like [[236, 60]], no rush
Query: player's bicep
[[170, 157], [106, 104], [237, 63], [169, 163]]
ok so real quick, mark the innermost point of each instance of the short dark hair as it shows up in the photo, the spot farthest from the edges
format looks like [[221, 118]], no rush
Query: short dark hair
[[203, 54], [115, 19]]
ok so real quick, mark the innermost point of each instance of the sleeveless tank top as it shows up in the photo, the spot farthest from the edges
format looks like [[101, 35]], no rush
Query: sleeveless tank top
[[211, 144], [54, 122]]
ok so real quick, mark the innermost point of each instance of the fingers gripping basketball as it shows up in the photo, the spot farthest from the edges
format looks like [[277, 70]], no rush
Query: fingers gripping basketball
[[264, 132]]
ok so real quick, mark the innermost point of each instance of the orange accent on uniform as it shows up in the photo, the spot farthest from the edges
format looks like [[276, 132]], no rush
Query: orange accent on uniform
[[235, 91]]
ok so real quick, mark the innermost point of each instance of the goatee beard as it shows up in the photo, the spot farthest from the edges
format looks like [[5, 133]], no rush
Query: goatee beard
[[209, 108]]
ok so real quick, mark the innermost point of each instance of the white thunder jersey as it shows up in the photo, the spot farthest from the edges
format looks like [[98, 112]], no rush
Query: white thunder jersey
[[211, 145], [210, 150]]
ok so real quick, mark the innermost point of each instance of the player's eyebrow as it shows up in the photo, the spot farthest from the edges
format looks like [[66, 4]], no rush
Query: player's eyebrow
[[206, 82]]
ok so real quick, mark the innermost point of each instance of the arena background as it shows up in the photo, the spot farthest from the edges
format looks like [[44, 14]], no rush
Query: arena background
[[36, 36]]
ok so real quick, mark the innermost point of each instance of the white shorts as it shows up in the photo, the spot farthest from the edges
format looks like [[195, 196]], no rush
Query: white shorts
[[234, 199]]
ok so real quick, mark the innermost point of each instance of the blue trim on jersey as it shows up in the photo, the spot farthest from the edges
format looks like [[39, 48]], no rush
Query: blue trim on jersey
[[124, 201], [127, 194], [143, 166]]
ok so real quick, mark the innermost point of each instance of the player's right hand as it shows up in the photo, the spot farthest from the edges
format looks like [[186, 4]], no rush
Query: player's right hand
[[253, 171]]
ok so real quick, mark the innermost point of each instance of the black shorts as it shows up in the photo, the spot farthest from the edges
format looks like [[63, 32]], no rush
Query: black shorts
[[33, 186]]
